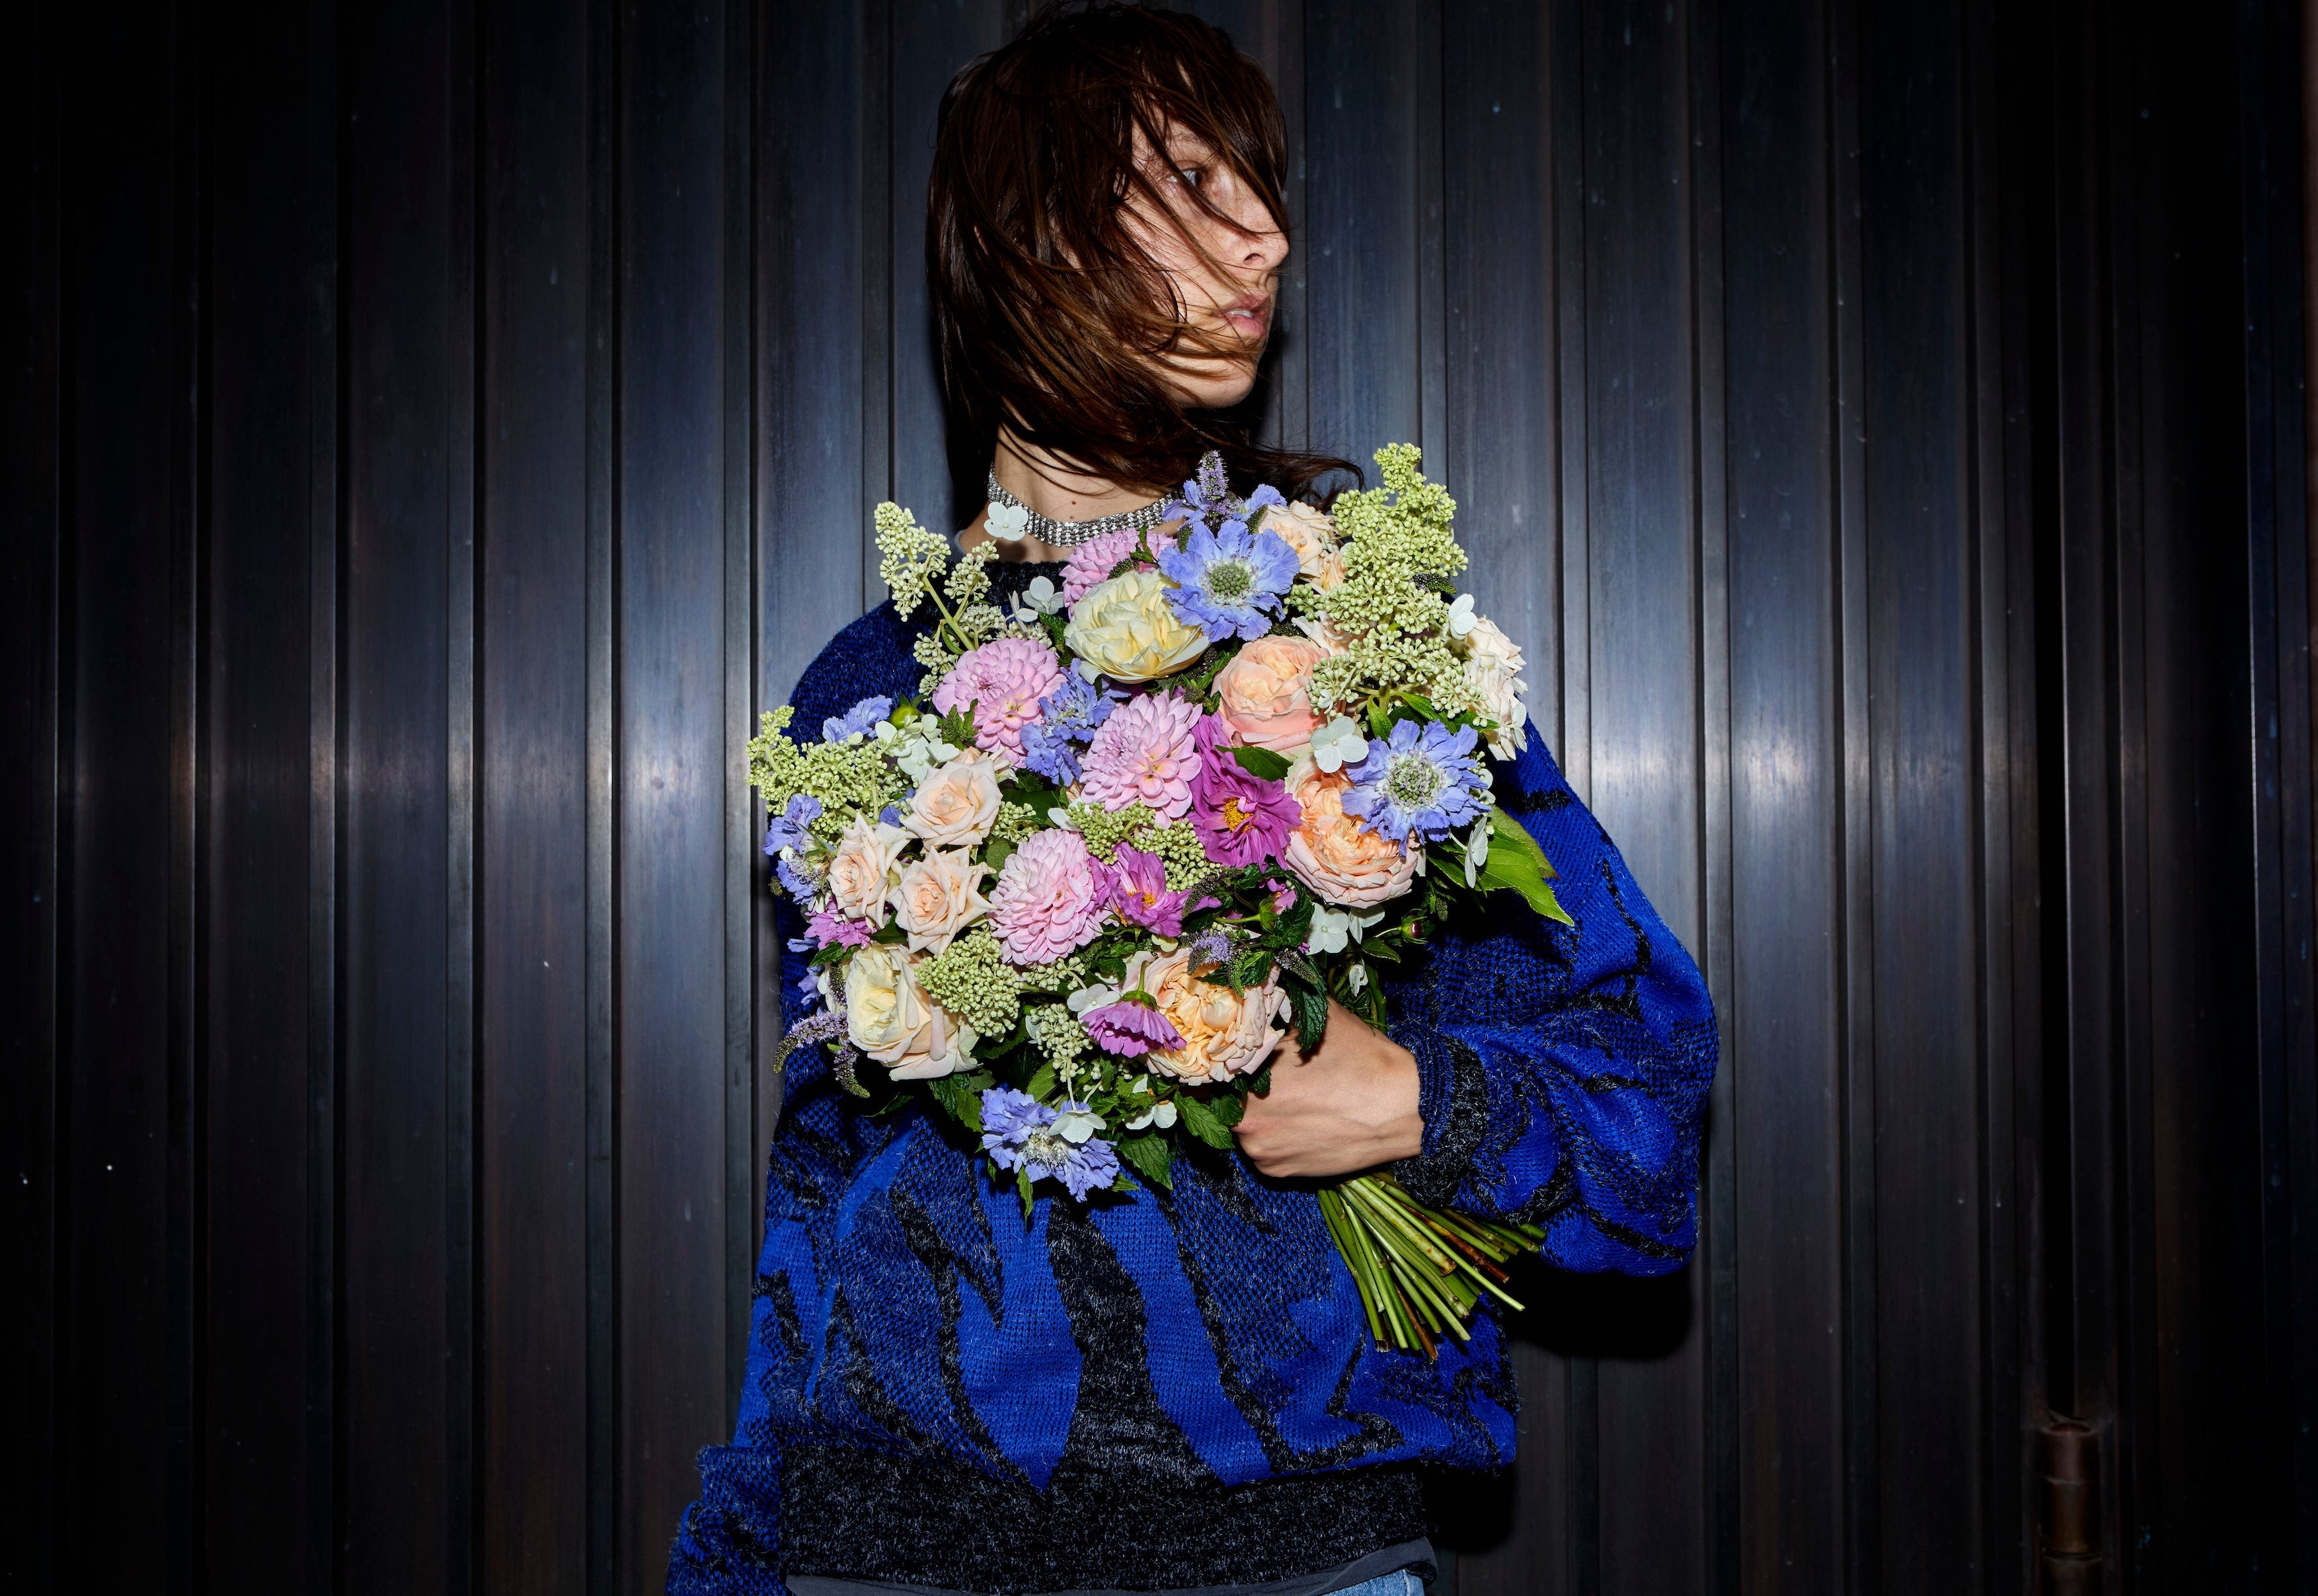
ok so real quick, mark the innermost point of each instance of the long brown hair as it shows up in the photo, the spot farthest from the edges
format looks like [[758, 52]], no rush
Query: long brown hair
[[1047, 310]]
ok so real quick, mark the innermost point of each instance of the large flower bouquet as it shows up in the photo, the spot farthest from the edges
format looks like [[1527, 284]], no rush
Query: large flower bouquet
[[1132, 836]]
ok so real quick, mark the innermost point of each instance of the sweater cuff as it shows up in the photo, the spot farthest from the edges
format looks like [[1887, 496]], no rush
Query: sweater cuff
[[1452, 1099], [729, 1542]]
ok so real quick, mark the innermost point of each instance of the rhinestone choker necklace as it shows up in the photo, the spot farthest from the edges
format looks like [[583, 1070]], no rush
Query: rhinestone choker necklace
[[1064, 534]]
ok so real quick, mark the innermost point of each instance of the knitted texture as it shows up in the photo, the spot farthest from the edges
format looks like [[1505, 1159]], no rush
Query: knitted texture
[[948, 1396]]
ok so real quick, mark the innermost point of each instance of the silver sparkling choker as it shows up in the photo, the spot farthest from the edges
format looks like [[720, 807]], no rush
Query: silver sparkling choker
[[1070, 534]]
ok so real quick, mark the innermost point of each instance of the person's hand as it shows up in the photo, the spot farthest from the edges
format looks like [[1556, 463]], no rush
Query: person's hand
[[1351, 1105]]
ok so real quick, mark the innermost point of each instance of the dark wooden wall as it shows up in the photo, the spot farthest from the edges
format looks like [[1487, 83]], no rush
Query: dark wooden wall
[[432, 432]]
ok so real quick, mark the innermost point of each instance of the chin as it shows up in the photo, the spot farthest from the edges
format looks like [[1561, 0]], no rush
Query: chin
[[1220, 392]]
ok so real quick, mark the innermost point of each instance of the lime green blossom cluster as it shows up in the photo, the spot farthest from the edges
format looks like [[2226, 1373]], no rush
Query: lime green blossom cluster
[[908, 557], [848, 777], [1394, 625], [1058, 1034], [1105, 828], [1179, 847], [973, 981], [911, 563], [1016, 822]]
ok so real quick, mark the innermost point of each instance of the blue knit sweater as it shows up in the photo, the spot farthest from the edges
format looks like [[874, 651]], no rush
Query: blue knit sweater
[[1160, 1391]]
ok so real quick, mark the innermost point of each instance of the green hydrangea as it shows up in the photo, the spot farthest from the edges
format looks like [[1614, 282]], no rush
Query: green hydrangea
[[847, 777], [973, 981], [1398, 553]]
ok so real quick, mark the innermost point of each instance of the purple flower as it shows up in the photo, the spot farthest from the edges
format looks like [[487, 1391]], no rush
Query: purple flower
[[1131, 1029], [797, 883], [1139, 893], [1048, 752], [1077, 707], [859, 720], [1020, 1133], [890, 815], [787, 827], [827, 928], [1241, 818], [1210, 946], [1423, 780], [1228, 582]]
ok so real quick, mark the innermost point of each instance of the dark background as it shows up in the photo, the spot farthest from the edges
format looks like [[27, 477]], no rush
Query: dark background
[[433, 431]]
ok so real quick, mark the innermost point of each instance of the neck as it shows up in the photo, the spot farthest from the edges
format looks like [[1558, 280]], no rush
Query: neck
[[1052, 489]]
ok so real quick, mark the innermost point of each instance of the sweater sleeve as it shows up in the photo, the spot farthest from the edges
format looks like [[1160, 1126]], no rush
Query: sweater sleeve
[[1564, 1070], [728, 1543]]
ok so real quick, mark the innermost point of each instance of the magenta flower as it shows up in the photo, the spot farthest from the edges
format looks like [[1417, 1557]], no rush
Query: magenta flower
[[1131, 1029], [1050, 898], [1241, 818], [1283, 893], [1003, 681], [1139, 893], [1147, 753], [1093, 561], [830, 929]]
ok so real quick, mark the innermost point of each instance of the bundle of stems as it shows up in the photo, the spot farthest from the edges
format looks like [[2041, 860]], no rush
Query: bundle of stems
[[1421, 1270]]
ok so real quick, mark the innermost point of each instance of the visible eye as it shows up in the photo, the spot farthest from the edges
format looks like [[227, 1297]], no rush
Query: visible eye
[[1191, 176]]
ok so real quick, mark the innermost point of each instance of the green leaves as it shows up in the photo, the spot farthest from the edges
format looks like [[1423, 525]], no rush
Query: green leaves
[[1152, 1157], [960, 1097], [1203, 1122], [1261, 763], [1517, 864], [1311, 1005]]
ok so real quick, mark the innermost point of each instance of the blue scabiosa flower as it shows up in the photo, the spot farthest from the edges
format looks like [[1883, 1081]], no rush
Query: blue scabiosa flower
[[787, 828], [1019, 1132], [1228, 583], [1076, 708], [1050, 753], [859, 720], [799, 885], [1423, 779]]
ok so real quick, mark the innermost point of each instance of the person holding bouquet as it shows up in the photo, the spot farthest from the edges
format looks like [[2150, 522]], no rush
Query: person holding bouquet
[[1201, 982]]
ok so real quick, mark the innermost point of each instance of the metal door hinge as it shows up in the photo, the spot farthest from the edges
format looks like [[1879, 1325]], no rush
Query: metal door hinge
[[2068, 1509]]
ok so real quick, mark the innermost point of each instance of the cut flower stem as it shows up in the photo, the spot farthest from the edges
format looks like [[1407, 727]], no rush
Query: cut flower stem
[[1420, 1270]]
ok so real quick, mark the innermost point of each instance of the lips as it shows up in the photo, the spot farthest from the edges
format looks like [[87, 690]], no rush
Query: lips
[[1250, 316]]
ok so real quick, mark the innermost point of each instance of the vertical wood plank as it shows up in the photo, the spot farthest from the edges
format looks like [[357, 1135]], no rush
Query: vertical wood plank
[[265, 1462], [32, 521], [672, 855], [1365, 146], [1783, 1039], [534, 270], [1645, 741], [407, 529], [119, 1331], [1924, 683], [930, 41]]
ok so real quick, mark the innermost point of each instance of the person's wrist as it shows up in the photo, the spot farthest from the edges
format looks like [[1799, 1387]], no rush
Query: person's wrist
[[1401, 1134]]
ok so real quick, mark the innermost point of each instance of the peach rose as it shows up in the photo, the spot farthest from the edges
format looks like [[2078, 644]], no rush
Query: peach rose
[[937, 897], [889, 1017], [1224, 1034], [1265, 694], [860, 871], [1311, 533], [1337, 857], [955, 804]]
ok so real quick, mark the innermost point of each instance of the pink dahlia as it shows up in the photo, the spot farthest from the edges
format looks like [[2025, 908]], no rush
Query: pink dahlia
[[1049, 898], [1091, 561], [1003, 681], [1241, 818], [1147, 753]]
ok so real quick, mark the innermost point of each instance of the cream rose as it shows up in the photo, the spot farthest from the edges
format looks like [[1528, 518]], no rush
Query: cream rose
[[1264, 695], [1225, 1034], [937, 897], [955, 804], [1311, 533], [1493, 668], [1337, 857], [889, 1017], [861, 870], [1125, 629]]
